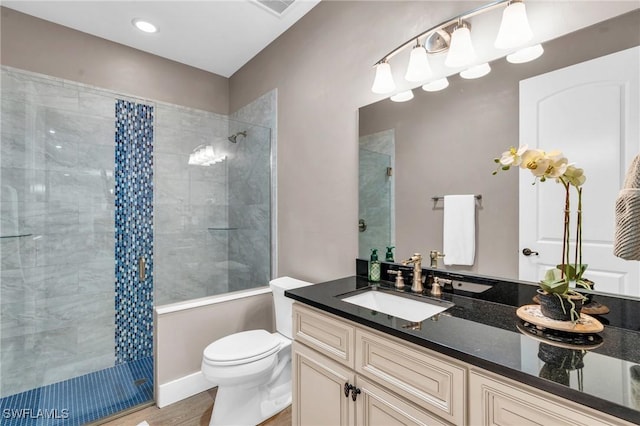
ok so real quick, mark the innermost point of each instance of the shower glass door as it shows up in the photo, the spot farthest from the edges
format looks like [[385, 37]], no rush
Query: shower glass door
[[57, 257]]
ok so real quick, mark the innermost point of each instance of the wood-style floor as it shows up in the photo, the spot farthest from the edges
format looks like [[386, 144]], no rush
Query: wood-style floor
[[194, 411]]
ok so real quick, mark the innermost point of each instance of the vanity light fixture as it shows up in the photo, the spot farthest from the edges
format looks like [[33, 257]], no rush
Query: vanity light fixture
[[454, 36], [476, 71], [405, 96], [525, 55], [144, 26], [436, 85]]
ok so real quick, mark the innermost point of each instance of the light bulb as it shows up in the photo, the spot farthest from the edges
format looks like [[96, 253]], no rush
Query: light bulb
[[476, 71], [525, 55], [418, 69], [383, 83], [407, 95], [461, 52], [514, 28], [436, 85]]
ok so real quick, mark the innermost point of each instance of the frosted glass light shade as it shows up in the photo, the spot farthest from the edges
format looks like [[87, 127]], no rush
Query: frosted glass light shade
[[419, 68], [407, 95], [514, 28], [476, 71], [436, 85], [525, 55], [383, 83], [461, 52]]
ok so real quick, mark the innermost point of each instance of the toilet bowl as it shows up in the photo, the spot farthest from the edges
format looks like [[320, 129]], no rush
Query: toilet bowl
[[252, 369]]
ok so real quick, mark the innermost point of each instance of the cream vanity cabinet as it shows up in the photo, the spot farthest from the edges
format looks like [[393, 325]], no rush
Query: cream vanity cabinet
[[398, 383], [394, 382], [496, 400]]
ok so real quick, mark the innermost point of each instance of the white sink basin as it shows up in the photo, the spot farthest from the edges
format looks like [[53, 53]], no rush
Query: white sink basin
[[402, 307]]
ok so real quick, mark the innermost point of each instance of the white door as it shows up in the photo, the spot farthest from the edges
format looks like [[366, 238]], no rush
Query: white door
[[589, 111]]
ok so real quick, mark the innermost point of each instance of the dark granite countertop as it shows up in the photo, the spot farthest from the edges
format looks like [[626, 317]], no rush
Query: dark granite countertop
[[482, 329]]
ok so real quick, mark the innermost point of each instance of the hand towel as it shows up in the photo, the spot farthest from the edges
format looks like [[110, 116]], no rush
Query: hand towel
[[626, 243], [459, 235]]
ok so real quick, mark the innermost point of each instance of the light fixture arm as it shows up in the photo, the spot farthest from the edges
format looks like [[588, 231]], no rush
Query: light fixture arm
[[445, 24]]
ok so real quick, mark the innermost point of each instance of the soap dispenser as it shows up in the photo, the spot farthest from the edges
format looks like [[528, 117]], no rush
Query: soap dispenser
[[374, 266], [389, 256]]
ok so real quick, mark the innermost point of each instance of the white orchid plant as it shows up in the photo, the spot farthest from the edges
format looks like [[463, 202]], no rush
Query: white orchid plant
[[554, 165]]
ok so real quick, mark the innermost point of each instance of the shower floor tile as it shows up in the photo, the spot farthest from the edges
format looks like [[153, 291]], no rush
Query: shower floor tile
[[82, 399]]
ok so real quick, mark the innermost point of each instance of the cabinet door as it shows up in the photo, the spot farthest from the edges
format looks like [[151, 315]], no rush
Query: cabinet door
[[318, 390], [378, 407], [497, 401]]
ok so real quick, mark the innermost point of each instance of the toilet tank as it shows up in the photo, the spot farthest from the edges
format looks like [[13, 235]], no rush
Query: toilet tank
[[282, 304]]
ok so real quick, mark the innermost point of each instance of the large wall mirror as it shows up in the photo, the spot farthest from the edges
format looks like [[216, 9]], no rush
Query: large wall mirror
[[444, 143]]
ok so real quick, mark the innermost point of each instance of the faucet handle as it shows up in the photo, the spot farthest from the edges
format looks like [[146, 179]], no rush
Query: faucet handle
[[434, 255], [435, 287], [399, 278]]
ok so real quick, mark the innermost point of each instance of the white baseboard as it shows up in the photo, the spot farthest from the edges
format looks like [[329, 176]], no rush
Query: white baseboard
[[182, 388]]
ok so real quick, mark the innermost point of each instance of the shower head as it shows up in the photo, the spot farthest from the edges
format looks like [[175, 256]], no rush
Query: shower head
[[233, 137]]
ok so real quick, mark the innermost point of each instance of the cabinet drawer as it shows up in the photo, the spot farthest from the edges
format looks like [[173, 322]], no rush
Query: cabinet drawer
[[376, 406], [504, 402], [329, 336], [415, 373]]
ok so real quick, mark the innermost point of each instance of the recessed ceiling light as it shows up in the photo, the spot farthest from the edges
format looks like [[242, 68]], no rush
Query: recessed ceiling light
[[144, 26]]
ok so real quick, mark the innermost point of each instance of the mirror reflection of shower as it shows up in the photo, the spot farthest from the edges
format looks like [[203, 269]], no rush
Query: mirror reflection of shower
[[233, 138]]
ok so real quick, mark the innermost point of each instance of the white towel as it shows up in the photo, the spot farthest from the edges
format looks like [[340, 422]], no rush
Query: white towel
[[459, 236]]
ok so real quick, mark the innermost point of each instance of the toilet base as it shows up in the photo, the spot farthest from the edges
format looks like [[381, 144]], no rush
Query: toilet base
[[249, 406]]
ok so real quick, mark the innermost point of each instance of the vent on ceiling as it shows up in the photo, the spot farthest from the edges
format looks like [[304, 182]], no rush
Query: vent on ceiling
[[276, 6]]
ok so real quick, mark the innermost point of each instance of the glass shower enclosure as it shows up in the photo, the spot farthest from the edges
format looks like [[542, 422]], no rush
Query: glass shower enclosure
[[104, 214]]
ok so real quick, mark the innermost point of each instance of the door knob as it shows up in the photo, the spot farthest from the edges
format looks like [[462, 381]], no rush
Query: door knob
[[529, 252], [362, 225]]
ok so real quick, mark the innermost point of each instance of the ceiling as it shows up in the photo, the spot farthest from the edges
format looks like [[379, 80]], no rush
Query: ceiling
[[218, 36]]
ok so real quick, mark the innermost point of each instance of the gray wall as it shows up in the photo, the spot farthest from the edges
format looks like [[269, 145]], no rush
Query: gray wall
[[322, 70], [446, 142], [36, 45]]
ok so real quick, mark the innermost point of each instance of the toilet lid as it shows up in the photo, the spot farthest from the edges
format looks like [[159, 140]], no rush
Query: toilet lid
[[242, 347]]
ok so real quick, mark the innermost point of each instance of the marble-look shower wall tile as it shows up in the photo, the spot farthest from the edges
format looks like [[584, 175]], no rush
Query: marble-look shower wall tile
[[96, 276], [14, 117], [250, 194], [174, 116]]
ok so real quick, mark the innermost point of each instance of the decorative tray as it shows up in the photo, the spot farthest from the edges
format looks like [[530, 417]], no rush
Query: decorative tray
[[586, 323], [559, 338]]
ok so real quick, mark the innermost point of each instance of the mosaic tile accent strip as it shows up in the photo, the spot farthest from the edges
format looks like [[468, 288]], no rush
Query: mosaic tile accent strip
[[82, 399], [134, 231]]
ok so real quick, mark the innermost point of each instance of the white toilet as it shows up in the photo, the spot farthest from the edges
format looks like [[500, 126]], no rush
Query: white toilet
[[253, 368]]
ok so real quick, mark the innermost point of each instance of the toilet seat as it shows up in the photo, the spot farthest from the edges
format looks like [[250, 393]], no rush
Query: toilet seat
[[241, 348]]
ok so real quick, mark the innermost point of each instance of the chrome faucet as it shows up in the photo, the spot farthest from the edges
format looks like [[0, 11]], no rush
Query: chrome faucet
[[416, 259]]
